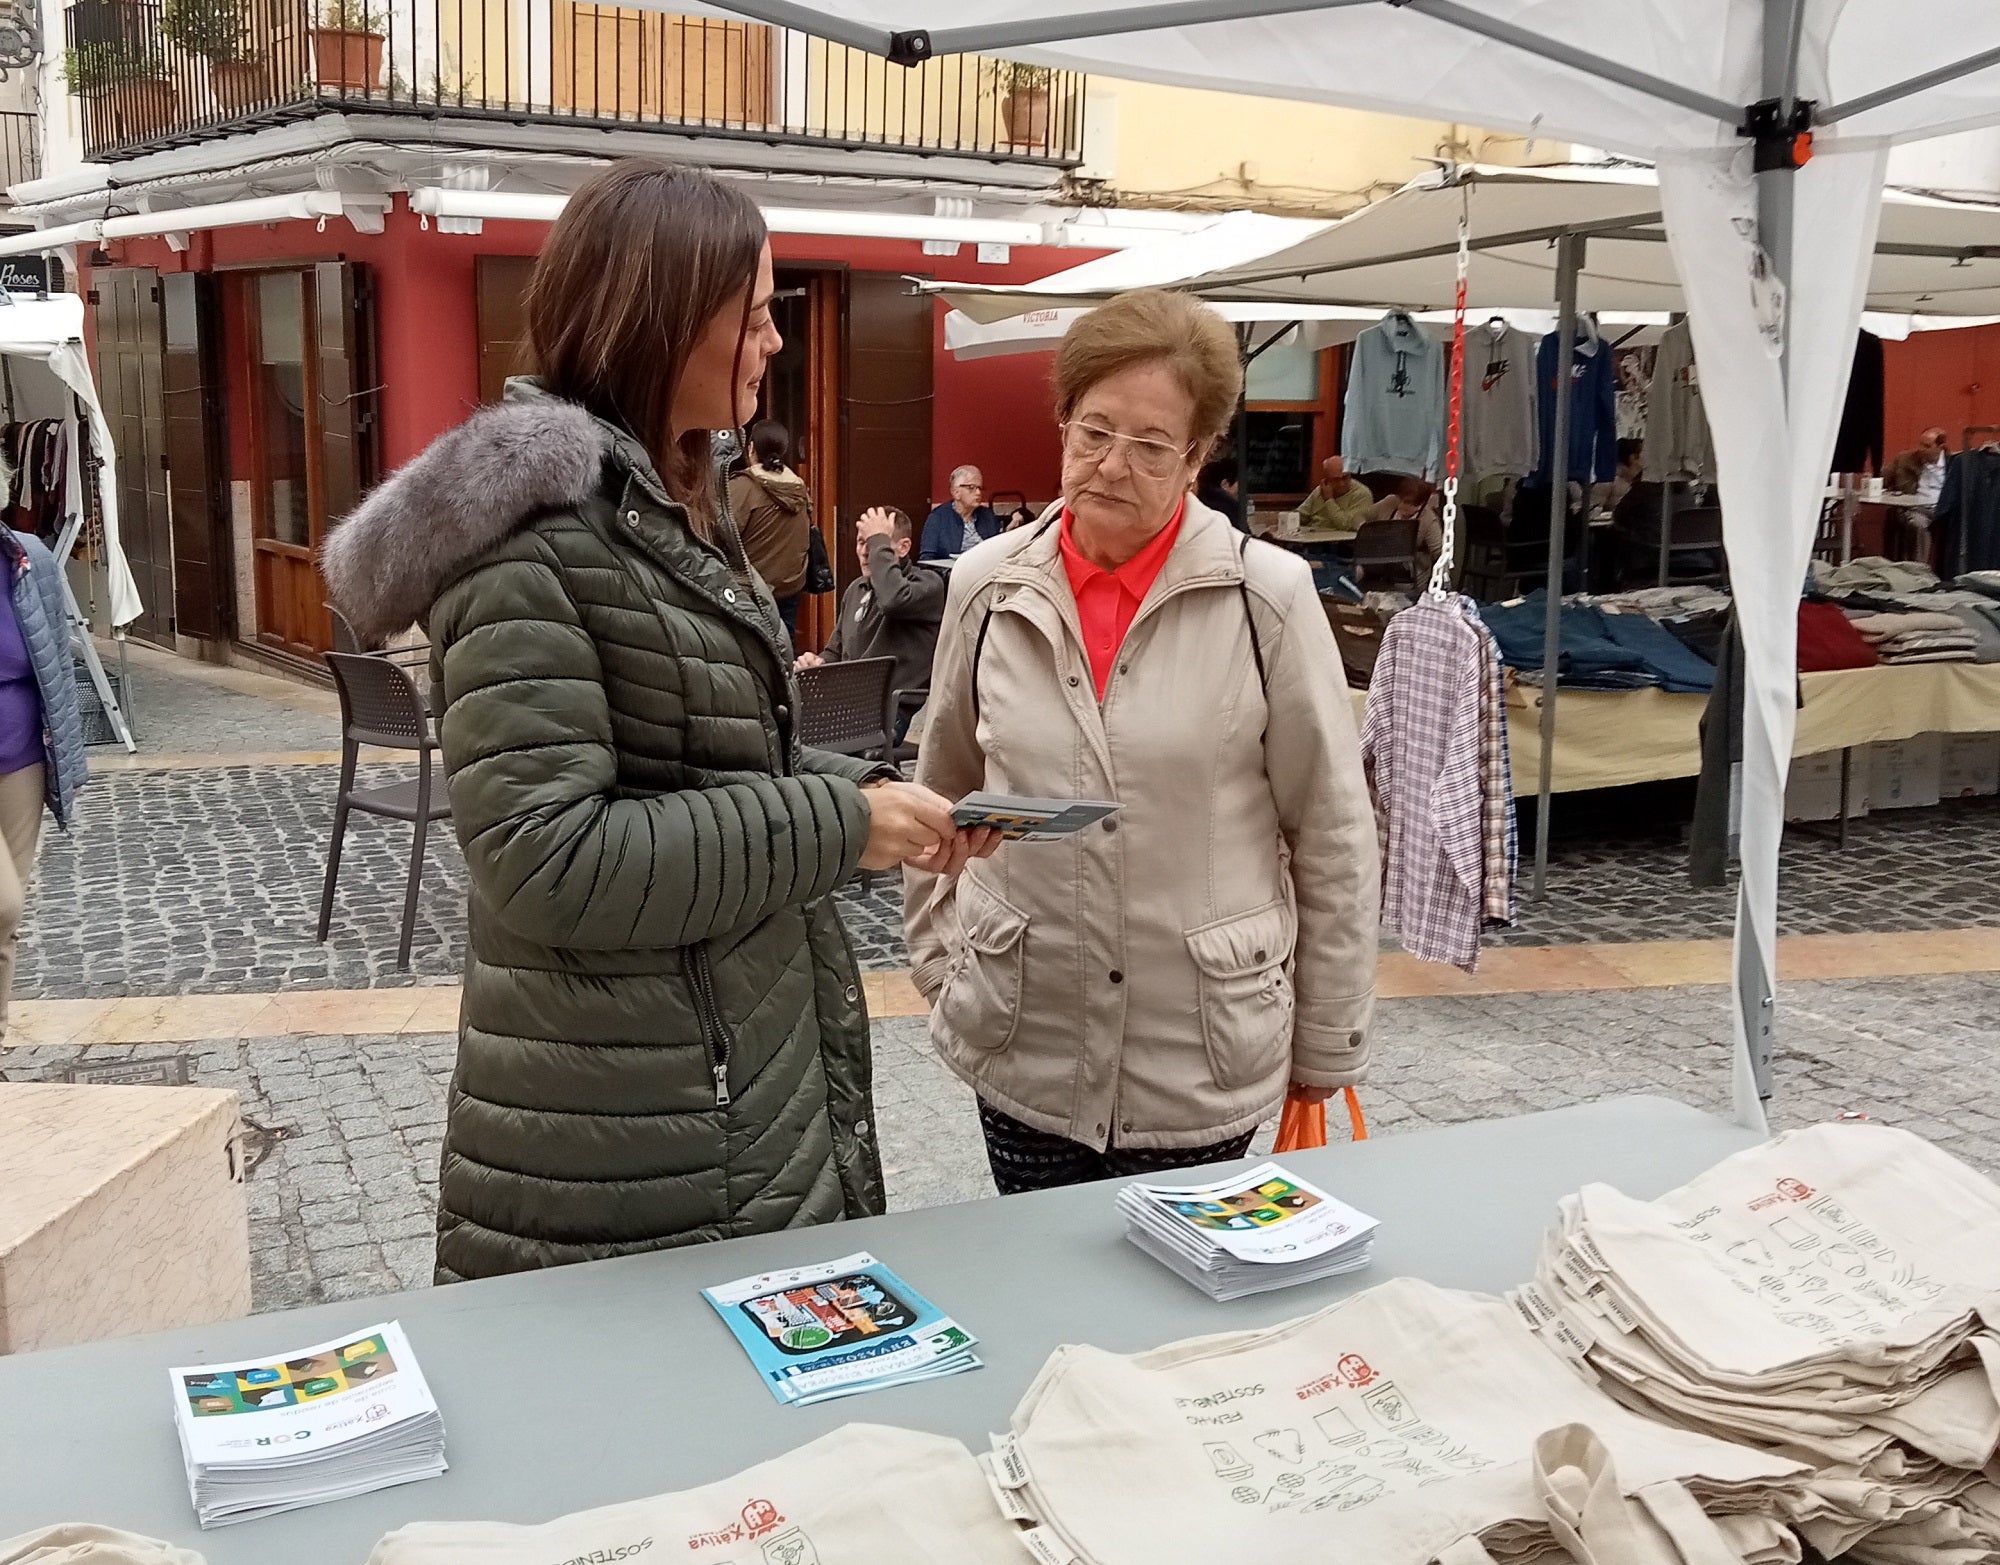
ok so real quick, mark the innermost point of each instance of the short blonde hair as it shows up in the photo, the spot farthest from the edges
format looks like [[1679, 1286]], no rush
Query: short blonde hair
[[1156, 326]]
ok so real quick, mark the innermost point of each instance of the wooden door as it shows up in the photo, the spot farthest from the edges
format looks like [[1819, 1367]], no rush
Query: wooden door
[[886, 448], [609, 62], [500, 290], [312, 434], [131, 387], [204, 595]]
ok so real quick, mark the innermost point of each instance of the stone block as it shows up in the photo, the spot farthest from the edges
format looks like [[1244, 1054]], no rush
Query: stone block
[[122, 1209]]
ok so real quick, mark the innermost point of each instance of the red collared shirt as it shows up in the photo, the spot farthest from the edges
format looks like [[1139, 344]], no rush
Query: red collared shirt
[[1108, 601]]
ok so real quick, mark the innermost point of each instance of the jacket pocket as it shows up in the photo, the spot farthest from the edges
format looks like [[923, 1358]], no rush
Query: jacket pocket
[[980, 1004], [1244, 989]]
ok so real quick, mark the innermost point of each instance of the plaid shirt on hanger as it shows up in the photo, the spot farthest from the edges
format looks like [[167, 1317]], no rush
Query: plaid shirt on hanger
[[1422, 748]]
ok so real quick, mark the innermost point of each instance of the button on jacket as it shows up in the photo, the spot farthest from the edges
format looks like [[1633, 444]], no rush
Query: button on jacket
[[1158, 979]]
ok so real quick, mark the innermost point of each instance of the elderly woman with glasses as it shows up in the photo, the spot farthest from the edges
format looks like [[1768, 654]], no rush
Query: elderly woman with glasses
[[1142, 995]]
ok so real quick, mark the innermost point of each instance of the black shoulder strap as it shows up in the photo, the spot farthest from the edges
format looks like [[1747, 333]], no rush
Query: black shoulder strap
[[986, 622], [1243, 587]]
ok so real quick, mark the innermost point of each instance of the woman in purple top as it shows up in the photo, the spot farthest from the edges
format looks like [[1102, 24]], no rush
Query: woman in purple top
[[41, 730]]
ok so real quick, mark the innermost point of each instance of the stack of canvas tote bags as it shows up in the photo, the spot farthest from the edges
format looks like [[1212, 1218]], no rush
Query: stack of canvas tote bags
[[1831, 1296], [886, 1496], [1406, 1425]]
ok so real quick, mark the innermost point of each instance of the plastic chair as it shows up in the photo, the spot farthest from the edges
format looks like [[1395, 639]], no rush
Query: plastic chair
[[848, 708], [413, 658], [380, 705], [1385, 554]]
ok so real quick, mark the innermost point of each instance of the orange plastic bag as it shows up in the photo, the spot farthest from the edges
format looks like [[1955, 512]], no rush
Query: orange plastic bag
[[1303, 1124]]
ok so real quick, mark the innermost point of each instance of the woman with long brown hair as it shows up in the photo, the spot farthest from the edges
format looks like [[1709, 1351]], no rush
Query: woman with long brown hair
[[662, 1038]]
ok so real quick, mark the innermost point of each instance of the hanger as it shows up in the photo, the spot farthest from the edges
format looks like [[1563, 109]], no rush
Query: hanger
[[1497, 325]]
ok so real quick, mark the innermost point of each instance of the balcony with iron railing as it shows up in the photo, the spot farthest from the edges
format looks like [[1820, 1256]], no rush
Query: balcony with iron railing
[[154, 73], [20, 148]]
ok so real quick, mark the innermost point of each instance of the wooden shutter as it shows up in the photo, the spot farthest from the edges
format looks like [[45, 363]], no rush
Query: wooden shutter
[[132, 394], [500, 286], [191, 373], [349, 394], [887, 449]]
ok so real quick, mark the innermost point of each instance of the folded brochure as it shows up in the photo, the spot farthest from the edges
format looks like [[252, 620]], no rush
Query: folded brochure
[[814, 1333], [1020, 819], [1260, 1229], [318, 1423]]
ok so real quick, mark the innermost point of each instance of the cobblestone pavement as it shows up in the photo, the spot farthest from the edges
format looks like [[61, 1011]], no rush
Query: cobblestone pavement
[[342, 1203], [208, 880], [179, 707]]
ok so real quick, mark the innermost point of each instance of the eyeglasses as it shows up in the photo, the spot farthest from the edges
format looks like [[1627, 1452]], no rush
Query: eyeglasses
[[1092, 443]]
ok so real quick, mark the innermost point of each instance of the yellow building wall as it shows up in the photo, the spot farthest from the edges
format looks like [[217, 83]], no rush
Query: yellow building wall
[[1178, 147]]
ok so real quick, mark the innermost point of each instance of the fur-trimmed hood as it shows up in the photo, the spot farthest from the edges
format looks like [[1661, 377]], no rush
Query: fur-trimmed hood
[[470, 488]]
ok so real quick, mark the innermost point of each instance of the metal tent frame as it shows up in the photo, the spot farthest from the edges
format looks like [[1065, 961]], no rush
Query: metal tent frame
[[1779, 123]]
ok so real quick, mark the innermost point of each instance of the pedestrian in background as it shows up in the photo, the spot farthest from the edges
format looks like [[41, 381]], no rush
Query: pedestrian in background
[[1143, 994], [773, 511], [962, 522], [662, 1039], [42, 762]]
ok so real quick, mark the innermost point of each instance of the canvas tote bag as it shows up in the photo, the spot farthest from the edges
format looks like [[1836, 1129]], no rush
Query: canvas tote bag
[[77, 1543], [863, 1495], [1397, 1427]]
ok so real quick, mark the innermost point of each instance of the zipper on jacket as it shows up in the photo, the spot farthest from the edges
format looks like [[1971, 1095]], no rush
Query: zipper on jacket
[[715, 1034]]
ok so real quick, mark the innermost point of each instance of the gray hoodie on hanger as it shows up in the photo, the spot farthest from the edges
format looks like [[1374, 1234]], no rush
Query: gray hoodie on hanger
[[1502, 430], [1678, 444], [1395, 410]]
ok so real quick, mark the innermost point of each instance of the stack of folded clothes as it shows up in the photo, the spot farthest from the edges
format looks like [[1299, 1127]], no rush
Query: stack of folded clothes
[[1918, 637], [1828, 640]]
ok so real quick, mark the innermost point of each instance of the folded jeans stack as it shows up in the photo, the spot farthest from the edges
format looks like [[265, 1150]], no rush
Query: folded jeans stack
[[1932, 637], [1407, 1425], [1830, 1297]]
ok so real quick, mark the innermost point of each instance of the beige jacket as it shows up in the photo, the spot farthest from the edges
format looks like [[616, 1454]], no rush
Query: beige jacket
[[1159, 979]]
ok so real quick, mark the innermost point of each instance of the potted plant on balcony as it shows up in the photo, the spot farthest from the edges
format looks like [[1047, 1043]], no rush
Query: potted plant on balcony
[[129, 95], [1023, 92], [219, 31], [347, 51]]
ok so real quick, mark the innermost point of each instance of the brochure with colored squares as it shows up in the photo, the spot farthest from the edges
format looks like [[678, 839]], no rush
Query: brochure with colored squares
[[321, 1423], [1020, 819], [1261, 1229], [833, 1330]]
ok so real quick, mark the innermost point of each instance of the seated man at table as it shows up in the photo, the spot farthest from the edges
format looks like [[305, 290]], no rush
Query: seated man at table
[[1338, 506], [1919, 472], [893, 611], [962, 521]]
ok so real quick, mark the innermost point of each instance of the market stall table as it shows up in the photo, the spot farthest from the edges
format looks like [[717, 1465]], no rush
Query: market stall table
[[586, 1385]]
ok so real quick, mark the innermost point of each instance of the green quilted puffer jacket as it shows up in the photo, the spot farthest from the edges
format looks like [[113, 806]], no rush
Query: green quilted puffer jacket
[[662, 1039]]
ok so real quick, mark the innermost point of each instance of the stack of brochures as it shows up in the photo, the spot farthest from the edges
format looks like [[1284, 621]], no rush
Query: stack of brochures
[[819, 1332], [1249, 1233], [325, 1422]]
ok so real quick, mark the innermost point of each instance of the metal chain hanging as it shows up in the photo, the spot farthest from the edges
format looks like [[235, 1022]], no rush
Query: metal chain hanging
[[1448, 549]]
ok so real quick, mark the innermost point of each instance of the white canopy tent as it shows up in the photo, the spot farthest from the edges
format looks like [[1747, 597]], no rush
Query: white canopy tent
[[1769, 121], [47, 375]]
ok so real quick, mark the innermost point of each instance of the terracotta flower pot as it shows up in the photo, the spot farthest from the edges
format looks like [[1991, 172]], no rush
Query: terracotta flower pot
[[144, 107], [1025, 112], [239, 84], [349, 61]]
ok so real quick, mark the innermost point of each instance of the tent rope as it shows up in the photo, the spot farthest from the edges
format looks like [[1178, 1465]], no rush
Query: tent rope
[[1448, 548]]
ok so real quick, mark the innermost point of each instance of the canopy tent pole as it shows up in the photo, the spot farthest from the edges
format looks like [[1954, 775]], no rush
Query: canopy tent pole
[[1755, 999], [1569, 262]]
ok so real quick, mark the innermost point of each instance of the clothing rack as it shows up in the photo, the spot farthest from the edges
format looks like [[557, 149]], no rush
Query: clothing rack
[[90, 514]]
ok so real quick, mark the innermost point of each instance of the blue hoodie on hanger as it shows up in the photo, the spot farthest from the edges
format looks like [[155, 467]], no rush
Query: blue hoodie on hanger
[[1593, 411]]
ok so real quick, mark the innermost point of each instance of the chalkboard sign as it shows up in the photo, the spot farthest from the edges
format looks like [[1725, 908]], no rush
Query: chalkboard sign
[[30, 274], [1280, 451]]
